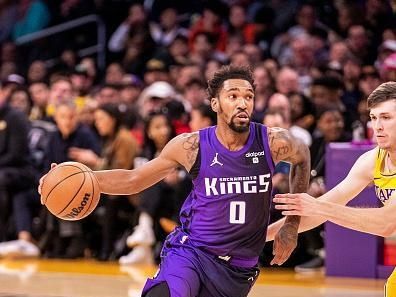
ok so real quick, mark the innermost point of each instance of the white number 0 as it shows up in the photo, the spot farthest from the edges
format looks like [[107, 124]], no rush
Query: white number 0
[[237, 212]]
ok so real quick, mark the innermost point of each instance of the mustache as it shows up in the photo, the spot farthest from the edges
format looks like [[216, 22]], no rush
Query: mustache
[[241, 113]]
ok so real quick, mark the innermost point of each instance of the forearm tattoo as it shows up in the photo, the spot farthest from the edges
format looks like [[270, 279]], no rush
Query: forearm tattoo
[[286, 148]]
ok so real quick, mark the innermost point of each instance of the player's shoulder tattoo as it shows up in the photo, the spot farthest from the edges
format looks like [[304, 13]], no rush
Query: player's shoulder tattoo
[[280, 143], [285, 147], [190, 143]]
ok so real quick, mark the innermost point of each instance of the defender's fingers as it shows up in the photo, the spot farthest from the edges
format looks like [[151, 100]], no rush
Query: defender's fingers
[[285, 200]]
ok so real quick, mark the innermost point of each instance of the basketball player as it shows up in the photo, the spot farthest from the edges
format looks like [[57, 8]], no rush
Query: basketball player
[[376, 166], [225, 217]]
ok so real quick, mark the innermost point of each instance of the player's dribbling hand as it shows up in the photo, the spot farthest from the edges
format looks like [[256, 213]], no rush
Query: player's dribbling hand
[[285, 242], [40, 186]]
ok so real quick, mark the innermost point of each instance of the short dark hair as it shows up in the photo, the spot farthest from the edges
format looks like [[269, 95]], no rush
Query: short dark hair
[[225, 73], [384, 92], [328, 82]]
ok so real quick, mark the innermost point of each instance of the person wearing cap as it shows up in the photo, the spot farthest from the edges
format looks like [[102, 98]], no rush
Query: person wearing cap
[[11, 83], [154, 97], [131, 87], [156, 70]]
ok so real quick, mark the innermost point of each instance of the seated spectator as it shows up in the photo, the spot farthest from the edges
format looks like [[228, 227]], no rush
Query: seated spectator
[[66, 239], [26, 203], [281, 103], [40, 95], [37, 72], [202, 116], [302, 111], [164, 32], [210, 22], [238, 25], [15, 171], [162, 200], [118, 151]]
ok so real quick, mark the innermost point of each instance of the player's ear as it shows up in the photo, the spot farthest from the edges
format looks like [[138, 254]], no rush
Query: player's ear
[[214, 103]]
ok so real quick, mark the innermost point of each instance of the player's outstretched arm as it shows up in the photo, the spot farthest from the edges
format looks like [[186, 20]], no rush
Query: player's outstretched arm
[[180, 151], [284, 147], [360, 175]]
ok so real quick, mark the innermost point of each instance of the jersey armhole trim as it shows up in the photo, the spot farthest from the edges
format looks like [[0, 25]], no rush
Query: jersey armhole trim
[[202, 168], [268, 155]]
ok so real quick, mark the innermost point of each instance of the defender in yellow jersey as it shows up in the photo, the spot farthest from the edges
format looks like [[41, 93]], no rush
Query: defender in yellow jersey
[[377, 166]]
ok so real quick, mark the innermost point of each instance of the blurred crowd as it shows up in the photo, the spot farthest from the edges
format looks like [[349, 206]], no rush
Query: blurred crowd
[[314, 64]]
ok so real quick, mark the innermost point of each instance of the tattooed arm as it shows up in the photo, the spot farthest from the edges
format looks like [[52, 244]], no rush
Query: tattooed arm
[[285, 147], [180, 151]]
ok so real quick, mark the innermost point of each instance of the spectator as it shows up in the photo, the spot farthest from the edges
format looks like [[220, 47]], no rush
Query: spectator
[[133, 25], [202, 116], [281, 103], [33, 16], [203, 49], [118, 151], [194, 94], [64, 238], [238, 25], [16, 173], [25, 202], [388, 68], [108, 93], [37, 72], [156, 70], [158, 201], [210, 22], [264, 89], [302, 111], [40, 96], [167, 29], [61, 91], [326, 92], [154, 97], [287, 81], [130, 90]]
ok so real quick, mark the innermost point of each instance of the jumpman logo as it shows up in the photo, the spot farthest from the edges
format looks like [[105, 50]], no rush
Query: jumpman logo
[[215, 161]]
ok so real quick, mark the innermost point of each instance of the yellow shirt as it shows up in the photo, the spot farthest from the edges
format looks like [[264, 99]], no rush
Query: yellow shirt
[[385, 183]]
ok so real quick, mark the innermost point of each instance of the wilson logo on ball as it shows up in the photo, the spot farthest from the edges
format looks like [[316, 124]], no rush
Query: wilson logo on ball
[[77, 210]]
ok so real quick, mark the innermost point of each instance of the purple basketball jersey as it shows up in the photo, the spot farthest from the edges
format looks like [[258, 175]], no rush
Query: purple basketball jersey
[[227, 212]]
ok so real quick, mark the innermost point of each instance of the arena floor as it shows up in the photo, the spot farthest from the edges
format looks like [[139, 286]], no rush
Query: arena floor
[[49, 278]]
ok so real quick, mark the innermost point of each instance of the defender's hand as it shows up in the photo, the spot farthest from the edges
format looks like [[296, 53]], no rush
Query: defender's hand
[[300, 204]]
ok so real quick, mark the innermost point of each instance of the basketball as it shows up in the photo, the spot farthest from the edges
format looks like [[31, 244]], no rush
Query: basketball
[[70, 191]]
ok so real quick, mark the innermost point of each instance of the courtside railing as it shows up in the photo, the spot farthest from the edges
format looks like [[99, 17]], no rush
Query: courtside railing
[[99, 48]]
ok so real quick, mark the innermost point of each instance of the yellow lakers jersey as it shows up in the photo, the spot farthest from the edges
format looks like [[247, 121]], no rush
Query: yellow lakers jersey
[[384, 181]]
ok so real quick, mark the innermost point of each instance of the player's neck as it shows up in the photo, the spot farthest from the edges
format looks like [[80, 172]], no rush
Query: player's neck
[[392, 158], [231, 140]]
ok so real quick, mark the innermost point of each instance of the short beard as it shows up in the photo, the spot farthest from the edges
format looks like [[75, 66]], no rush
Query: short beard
[[238, 129]]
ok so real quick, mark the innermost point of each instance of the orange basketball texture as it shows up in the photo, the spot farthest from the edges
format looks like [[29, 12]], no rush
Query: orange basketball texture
[[70, 191]]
